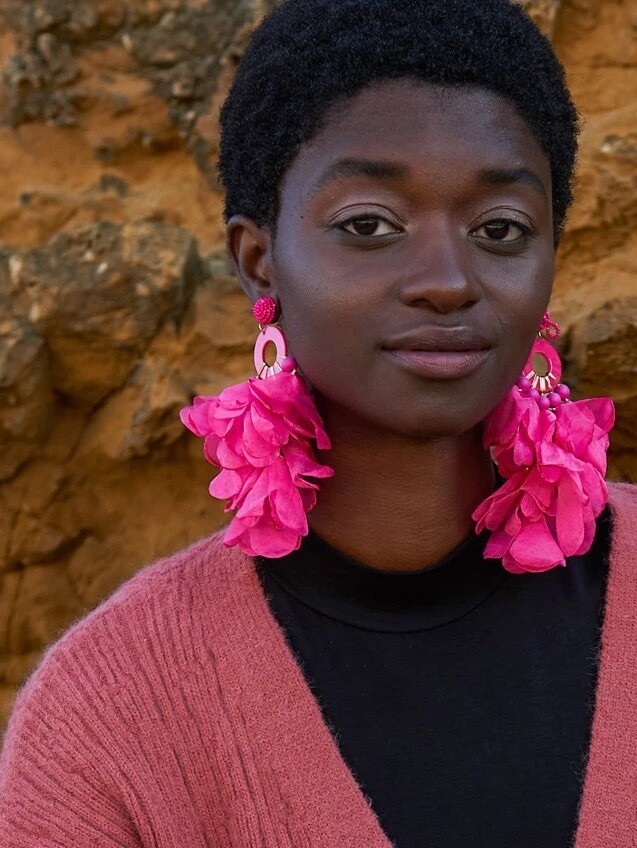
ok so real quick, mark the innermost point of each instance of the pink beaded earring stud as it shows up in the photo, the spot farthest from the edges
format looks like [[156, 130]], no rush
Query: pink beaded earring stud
[[262, 434], [552, 453]]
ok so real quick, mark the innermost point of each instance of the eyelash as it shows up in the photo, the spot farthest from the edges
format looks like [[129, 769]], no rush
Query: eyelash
[[343, 224], [525, 229]]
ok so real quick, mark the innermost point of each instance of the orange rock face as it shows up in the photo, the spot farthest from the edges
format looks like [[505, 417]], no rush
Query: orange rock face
[[117, 303]]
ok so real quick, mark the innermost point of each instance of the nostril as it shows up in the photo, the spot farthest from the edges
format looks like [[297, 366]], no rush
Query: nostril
[[444, 293]]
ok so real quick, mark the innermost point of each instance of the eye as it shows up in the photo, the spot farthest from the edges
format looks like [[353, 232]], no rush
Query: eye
[[368, 225], [503, 230]]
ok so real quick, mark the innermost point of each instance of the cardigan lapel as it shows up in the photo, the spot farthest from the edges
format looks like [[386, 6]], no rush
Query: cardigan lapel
[[324, 805], [608, 810]]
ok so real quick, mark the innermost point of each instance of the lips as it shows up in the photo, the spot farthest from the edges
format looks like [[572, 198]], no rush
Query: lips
[[440, 353], [450, 340]]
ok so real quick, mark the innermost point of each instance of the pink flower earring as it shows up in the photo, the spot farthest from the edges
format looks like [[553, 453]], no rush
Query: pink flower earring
[[553, 452], [261, 433]]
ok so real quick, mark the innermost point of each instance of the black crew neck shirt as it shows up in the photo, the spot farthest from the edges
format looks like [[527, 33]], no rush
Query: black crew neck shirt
[[460, 696]]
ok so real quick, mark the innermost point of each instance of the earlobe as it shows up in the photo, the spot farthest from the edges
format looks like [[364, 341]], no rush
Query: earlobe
[[249, 249]]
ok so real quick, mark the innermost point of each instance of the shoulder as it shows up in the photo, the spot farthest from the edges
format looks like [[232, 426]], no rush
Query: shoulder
[[623, 501], [151, 621], [158, 587], [623, 544], [205, 568]]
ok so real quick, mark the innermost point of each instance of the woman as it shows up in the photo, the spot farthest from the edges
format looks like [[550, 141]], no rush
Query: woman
[[397, 177]]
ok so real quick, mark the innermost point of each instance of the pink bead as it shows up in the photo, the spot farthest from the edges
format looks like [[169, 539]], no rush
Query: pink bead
[[549, 326], [264, 310], [523, 383], [288, 364], [555, 399], [563, 391], [533, 393], [543, 402]]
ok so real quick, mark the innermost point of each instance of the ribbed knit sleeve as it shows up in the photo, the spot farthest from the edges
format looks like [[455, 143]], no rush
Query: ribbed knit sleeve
[[59, 783]]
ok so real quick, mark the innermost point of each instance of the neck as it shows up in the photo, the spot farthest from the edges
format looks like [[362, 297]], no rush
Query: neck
[[398, 503]]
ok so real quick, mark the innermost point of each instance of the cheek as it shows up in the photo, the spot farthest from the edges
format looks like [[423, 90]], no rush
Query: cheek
[[325, 317], [519, 303], [324, 326]]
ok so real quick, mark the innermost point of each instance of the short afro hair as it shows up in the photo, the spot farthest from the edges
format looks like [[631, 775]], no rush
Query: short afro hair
[[307, 55]]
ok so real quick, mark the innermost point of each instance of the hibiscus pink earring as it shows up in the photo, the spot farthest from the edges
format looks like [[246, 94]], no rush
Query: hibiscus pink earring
[[261, 434], [553, 453]]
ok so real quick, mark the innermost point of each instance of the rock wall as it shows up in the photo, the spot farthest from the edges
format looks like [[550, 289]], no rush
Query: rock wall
[[117, 303]]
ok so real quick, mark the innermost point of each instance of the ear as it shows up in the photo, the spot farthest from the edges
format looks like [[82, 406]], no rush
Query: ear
[[250, 251]]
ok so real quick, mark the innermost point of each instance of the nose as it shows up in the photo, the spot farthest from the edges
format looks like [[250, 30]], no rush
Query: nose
[[442, 278]]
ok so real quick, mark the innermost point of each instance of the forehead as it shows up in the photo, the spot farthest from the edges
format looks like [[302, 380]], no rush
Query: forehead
[[430, 127]]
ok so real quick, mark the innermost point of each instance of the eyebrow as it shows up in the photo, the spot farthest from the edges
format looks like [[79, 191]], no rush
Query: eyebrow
[[380, 169], [361, 167], [506, 176]]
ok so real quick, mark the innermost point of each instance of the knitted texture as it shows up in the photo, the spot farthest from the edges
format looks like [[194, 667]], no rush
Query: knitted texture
[[174, 714]]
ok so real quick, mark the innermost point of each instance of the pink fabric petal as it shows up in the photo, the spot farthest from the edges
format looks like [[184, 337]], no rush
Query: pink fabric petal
[[497, 546], [262, 539], [589, 536], [497, 507], [224, 456], [260, 434], [287, 397], [226, 484], [287, 505], [569, 516], [555, 462], [266, 540], [535, 549], [303, 463]]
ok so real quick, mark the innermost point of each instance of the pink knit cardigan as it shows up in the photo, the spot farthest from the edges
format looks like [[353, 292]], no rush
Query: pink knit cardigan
[[174, 715]]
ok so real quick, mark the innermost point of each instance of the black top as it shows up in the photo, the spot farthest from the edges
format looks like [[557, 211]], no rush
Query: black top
[[460, 696]]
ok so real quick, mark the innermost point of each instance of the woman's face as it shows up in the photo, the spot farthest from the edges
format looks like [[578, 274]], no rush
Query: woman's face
[[418, 218]]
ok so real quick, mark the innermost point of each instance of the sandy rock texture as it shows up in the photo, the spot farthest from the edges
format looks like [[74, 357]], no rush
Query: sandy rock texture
[[117, 303]]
